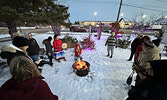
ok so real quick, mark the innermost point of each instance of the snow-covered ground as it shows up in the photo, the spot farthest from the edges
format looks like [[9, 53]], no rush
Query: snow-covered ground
[[105, 81]]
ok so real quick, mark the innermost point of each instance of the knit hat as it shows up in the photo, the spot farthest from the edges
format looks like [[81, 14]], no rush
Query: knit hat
[[149, 43], [20, 41], [159, 69]]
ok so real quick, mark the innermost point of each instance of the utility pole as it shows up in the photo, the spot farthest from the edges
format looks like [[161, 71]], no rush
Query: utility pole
[[119, 10]]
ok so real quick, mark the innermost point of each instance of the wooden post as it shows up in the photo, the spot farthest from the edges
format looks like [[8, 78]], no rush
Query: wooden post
[[119, 10]]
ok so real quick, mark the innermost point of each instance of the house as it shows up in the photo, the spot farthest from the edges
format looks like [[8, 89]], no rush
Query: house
[[122, 22]]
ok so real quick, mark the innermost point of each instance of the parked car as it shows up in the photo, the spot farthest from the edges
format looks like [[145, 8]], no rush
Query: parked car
[[107, 30], [93, 30], [77, 28]]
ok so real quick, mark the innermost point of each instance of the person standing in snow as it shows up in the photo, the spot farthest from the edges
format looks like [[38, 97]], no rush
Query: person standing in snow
[[58, 51], [26, 82], [150, 52], [134, 46], [110, 43], [47, 43], [77, 51], [154, 87], [139, 48]]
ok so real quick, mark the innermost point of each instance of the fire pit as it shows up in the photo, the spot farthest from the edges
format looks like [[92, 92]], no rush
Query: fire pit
[[81, 68]]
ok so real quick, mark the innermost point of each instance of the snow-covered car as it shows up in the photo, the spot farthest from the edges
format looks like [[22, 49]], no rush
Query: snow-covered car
[[77, 28]]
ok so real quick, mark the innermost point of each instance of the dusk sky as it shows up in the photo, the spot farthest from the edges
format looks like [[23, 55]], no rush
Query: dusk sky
[[83, 10]]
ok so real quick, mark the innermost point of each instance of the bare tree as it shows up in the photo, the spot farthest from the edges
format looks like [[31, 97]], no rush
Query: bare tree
[[141, 22]]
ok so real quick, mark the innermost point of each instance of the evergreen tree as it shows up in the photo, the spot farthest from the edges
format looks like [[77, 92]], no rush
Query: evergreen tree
[[17, 12]]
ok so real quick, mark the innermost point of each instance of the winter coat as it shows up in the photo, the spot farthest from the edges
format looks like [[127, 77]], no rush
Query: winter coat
[[144, 58], [150, 89], [76, 52], [57, 45], [31, 89], [10, 51], [157, 42], [111, 41], [135, 44], [48, 46], [33, 47], [153, 87], [138, 50]]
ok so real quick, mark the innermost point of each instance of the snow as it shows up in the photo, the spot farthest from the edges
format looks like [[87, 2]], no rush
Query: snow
[[4, 35], [105, 81]]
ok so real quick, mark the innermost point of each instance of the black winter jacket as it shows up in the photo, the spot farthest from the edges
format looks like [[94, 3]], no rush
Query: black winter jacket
[[48, 46], [135, 44], [33, 47], [149, 90], [10, 51]]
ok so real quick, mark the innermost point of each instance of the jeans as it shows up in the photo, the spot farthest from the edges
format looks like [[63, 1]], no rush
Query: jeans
[[35, 57], [110, 49]]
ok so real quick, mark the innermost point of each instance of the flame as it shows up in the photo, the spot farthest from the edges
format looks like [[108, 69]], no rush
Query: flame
[[81, 65]]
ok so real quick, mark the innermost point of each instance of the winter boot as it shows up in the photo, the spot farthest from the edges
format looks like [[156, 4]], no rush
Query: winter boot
[[129, 59], [64, 59], [58, 60], [50, 63], [111, 56], [108, 55]]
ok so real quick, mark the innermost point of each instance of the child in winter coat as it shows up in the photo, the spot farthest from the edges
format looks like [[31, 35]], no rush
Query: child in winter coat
[[77, 51], [48, 46], [58, 51], [110, 43]]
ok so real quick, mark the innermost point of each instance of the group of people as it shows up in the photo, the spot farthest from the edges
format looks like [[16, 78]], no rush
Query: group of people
[[58, 52], [150, 83], [23, 60], [26, 82]]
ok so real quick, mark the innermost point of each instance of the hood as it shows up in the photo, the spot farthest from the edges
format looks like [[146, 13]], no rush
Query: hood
[[46, 41], [18, 34], [8, 51], [159, 69], [77, 45], [22, 91], [10, 48], [26, 35]]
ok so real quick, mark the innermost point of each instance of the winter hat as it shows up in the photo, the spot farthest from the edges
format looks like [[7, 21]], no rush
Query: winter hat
[[20, 41], [77, 45], [113, 33], [49, 38], [149, 43], [17, 34], [159, 69]]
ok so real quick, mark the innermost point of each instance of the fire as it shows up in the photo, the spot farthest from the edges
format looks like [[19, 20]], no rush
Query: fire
[[81, 65]]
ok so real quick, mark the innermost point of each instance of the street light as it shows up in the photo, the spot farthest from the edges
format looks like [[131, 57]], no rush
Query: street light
[[144, 16], [95, 13], [122, 14]]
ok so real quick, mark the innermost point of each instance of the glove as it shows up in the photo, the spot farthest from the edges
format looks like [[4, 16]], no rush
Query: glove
[[105, 44]]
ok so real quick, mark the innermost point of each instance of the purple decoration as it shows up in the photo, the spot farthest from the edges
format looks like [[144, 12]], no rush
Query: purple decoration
[[118, 36]]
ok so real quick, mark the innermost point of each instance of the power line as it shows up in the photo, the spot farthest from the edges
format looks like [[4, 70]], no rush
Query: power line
[[117, 3], [161, 0], [144, 8]]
